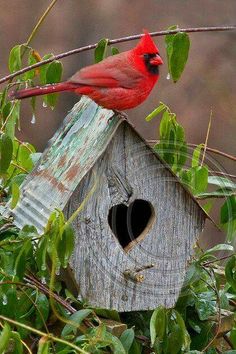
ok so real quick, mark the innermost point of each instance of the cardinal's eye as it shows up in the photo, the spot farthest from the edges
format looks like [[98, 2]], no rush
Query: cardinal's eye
[[146, 56]]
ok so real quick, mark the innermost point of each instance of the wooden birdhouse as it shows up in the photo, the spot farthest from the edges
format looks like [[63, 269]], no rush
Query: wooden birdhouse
[[138, 224]]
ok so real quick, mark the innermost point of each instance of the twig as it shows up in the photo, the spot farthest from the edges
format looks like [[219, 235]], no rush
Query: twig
[[228, 341], [32, 280], [42, 18], [114, 41], [206, 141], [43, 334], [222, 174], [24, 144], [218, 173], [218, 196], [206, 264], [215, 151]]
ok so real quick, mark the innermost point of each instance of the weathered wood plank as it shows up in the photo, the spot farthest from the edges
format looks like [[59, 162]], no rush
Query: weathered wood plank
[[129, 170]]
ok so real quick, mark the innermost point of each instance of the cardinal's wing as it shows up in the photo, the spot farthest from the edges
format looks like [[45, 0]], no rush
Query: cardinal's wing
[[115, 71]]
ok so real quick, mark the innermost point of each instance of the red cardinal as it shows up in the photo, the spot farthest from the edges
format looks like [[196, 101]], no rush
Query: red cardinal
[[118, 82]]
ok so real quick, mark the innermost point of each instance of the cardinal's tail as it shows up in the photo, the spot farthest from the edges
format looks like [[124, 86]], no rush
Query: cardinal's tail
[[42, 90]]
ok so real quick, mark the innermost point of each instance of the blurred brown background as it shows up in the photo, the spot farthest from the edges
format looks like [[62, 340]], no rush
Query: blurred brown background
[[209, 80]]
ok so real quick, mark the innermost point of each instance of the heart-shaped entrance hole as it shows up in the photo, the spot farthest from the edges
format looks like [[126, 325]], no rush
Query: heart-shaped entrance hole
[[131, 224]]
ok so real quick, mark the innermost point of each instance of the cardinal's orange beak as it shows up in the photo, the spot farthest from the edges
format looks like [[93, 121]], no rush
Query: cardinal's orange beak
[[156, 60]]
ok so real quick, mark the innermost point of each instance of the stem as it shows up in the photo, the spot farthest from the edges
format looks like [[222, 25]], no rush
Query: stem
[[215, 289], [19, 167], [37, 309], [83, 203], [42, 18], [113, 41], [206, 141], [7, 118], [231, 194], [222, 174], [32, 280], [218, 152], [42, 334]]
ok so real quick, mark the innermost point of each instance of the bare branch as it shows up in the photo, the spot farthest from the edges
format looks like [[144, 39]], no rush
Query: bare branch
[[114, 41]]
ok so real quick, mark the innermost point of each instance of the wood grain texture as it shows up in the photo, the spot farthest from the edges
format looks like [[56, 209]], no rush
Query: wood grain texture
[[129, 170]]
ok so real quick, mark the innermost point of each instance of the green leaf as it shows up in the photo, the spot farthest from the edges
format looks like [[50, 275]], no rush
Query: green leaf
[[20, 261], [169, 44], [41, 254], [199, 179], [228, 210], [172, 146], [28, 231], [42, 310], [4, 338], [12, 119], [111, 314], [33, 58], [75, 321], [206, 305], [54, 72], [135, 348], [220, 247], [6, 150], [127, 338], [158, 324], [196, 155], [221, 182], [179, 55], [228, 216], [66, 245], [233, 336], [15, 195], [43, 69], [208, 206], [185, 335], [53, 75], [230, 272], [156, 111], [24, 157], [115, 344], [6, 109], [114, 50], [178, 337], [100, 50], [18, 346], [43, 346], [15, 62], [18, 179]]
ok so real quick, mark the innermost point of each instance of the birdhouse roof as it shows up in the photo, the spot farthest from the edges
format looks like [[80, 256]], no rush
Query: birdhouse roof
[[84, 136]]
